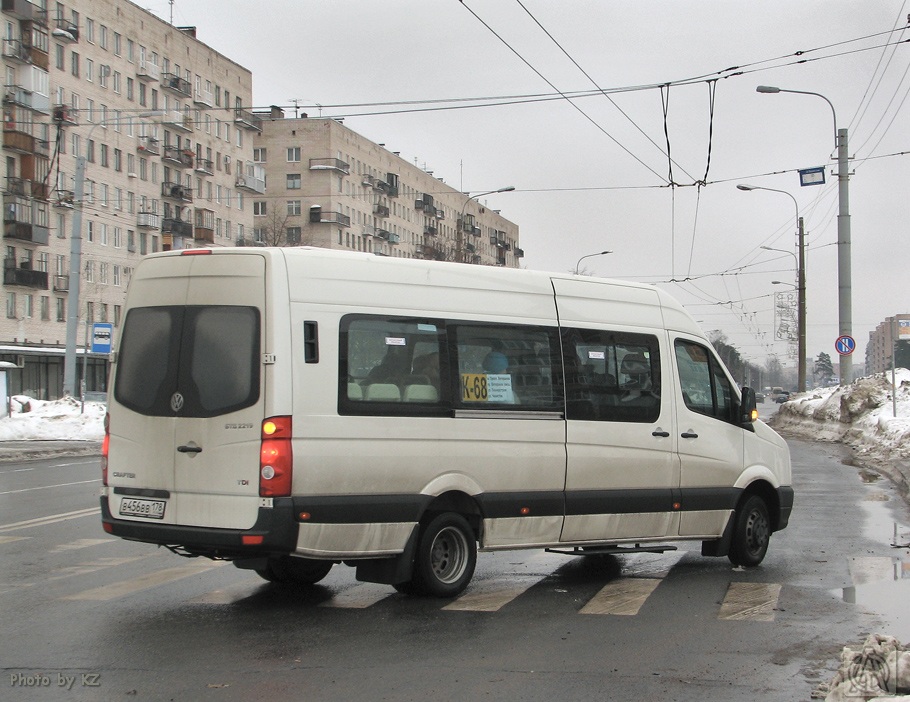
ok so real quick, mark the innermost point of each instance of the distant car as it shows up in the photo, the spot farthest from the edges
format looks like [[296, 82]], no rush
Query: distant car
[[782, 397], [759, 397]]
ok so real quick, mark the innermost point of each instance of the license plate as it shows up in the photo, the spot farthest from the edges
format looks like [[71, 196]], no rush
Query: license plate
[[151, 509]]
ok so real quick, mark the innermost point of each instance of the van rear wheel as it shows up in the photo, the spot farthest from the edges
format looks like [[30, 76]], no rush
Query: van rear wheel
[[445, 559], [299, 571], [751, 533]]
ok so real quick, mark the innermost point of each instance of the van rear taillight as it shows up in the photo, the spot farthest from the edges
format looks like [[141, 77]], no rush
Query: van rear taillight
[[105, 446], [275, 458]]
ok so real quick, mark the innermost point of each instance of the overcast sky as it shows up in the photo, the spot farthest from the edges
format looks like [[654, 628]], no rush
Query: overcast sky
[[592, 173]]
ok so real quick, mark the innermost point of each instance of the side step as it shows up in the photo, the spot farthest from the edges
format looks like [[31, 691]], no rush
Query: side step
[[611, 550]]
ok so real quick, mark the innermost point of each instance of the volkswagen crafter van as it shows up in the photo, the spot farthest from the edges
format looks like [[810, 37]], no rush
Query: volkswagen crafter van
[[288, 409]]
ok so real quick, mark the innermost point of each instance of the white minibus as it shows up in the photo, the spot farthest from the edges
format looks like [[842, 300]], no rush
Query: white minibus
[[288, 409]]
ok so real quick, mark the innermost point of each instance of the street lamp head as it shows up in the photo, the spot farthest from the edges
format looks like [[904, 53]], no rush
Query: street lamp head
[[507, 189], [767, 89], [747, 188]]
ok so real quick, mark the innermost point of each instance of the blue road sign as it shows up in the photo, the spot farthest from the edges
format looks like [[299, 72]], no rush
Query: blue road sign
[[845, 345], [102, 334]]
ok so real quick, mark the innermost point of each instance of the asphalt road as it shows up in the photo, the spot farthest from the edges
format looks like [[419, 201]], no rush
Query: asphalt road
[[87, 617]]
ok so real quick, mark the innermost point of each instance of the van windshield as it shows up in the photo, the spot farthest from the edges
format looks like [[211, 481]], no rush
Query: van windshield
[[188, 361]]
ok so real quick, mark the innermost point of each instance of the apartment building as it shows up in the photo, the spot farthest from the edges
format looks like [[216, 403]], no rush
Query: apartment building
[[880, 349], [163, 126], [329, 186]]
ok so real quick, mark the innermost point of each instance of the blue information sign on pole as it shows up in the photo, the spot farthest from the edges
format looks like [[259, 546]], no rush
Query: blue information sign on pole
[[845, 345], [102, 334]]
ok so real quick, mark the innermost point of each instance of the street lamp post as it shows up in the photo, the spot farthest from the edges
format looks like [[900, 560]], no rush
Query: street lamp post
[[800, 283], [599, 253], [844, 274], [460, 223], [72, 302]]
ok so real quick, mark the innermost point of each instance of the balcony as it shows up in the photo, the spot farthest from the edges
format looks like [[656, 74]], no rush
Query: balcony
[[24, 276], [18, 220], [148, 220], [252, 178], [18, 186], [394, 238], [65, 31], [380, 210], [247, 120], [61, 283], [64, 114], [22, 9], [205, 165], [203, 97], [177, 227], [429, 230], [178, 119], [64, 198], [19, 142], [176, 191], [519, 253], [178, 156], [205, 226], [177, 85], [15, 50], [317, 216], [331, 164], [148, 71], [149, 145]]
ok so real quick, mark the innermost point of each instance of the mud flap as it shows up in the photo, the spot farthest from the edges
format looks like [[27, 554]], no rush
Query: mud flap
[[721, 546], [390, 571]]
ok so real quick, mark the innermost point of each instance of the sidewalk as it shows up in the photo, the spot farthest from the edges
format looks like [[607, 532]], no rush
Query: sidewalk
[[11, 451]]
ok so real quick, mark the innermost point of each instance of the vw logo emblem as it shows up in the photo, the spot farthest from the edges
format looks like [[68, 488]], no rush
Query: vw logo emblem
[[176, 402]]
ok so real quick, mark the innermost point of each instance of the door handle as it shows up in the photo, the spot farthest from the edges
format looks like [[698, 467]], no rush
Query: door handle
[[189, 449], [660, 432], [689, 435]]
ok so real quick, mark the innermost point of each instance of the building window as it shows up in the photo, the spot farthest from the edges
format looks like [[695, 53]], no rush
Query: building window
[[259, 208], [74, 63], [45, 308], [293, 207], [293, 181], [61, 309], [293, 154], [11, 305], [294, 236], [259, 154]]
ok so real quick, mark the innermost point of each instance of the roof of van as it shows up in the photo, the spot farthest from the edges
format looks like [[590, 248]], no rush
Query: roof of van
[[320, 267]]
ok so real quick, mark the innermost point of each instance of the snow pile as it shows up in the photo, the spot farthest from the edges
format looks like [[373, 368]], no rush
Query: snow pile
[[880, 670], [32, 420], [860, 415]]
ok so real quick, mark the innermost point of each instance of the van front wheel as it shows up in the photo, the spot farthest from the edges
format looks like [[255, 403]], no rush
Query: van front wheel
[[446, 556], [300, 571], [751, 533]]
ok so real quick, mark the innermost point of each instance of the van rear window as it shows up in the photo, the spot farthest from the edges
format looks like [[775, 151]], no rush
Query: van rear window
[[189, 361]]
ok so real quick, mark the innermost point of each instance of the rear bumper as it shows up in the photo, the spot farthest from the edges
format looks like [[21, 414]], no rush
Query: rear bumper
[[276, 525]]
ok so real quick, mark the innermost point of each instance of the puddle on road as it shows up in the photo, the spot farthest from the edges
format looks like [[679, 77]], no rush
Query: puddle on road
[[881, 584]]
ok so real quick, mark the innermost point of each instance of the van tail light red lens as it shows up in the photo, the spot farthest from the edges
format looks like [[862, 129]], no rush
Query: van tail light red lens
[[105, 446], [276, 458]]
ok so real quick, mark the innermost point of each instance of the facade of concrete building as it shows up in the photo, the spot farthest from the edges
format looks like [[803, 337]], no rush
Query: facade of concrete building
[[329, 186], [164, 126], [880, 349]]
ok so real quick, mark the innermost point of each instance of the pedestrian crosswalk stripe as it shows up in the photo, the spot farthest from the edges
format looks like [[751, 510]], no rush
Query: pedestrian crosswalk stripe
[[750, 601], [80, 543], [50, 519], [92, 566], [492, 595], [623, 597], [143, 582], [359, 596]]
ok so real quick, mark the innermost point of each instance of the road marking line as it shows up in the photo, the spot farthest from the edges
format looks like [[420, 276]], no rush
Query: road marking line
[[80, 543], [46, 487], [10, 539], [359, 596], [92, 567], [228, 595], [651, 565], [143, 582], [50, 519], [750, 601], [492, 595], [621, 597]]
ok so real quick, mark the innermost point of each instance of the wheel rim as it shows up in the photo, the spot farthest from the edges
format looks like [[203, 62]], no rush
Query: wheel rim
[[757, 531], [449, 555]]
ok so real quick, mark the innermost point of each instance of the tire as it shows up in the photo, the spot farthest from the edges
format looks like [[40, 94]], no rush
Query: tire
[[751, 533], [297, 571], [445, 559]]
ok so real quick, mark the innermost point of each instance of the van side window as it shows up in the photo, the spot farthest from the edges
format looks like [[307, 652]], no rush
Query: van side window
[[612, 376], [391, 365], [507, 365], [705, 388]]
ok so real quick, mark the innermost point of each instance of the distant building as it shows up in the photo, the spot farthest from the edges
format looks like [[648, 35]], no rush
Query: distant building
[[881, 342], [329, 186], [82, 77]]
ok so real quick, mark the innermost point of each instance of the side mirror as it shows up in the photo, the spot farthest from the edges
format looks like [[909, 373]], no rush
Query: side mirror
[[748, 411]]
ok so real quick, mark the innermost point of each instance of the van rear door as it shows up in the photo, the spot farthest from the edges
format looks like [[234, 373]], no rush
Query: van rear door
[[188, 395]]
